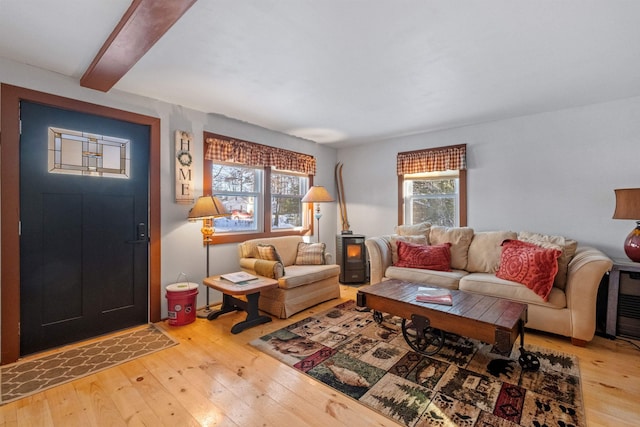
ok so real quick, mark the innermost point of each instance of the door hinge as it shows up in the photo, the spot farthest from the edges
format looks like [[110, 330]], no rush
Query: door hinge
[[18, 328], [19, 228]]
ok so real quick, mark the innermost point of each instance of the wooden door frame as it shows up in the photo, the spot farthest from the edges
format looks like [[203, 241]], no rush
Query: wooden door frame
[[10, 97]]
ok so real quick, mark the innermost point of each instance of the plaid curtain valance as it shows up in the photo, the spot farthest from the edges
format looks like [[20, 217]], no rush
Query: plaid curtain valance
[[433, 159], [249, 153]]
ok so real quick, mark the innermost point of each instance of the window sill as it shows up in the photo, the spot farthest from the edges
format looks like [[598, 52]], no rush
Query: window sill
[[221, 238]]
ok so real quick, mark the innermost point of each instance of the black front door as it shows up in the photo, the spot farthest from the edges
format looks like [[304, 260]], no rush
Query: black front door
[[83, 226]]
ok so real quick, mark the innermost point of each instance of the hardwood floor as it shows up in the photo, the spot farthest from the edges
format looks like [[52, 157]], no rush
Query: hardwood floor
[[213, 378]]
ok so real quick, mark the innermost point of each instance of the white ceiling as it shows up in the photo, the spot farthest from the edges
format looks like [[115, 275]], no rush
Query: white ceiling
[[346, 72]]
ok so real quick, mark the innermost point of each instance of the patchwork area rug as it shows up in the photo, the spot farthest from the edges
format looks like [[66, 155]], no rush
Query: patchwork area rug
[[465, 384], [22, 379]]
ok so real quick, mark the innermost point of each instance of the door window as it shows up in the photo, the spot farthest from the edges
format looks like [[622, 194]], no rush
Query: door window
[[81, 153]]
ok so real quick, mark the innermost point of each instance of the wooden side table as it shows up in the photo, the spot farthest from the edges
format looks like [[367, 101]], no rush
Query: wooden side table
[[619, 265], [230, 303]]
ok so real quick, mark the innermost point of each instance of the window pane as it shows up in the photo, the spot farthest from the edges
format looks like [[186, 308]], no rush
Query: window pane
[[235, 178], [434, 186], [286, 200], [286, 185], [242, 218], [437, 211], [434, 200], [238, 188]]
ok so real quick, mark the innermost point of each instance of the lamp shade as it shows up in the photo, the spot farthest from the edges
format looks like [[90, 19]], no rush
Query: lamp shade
[[627, 204], [317, 194], [207, 207]]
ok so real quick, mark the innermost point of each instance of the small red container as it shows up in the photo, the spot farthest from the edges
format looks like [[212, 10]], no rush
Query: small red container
[[181, 300]]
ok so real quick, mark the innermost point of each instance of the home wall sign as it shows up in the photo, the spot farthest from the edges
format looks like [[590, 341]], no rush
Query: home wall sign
[[184, 167]]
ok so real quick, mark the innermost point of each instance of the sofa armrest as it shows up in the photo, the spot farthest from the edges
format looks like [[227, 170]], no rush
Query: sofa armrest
[[248, 264], [379, 253], [328, 258], [585, 273], [262, 267]]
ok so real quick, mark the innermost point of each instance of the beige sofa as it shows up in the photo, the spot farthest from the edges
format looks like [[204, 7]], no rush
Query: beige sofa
[[475, 258], [301, 286]]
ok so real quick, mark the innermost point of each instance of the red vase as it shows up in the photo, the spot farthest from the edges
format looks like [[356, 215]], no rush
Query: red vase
[[632, 244]]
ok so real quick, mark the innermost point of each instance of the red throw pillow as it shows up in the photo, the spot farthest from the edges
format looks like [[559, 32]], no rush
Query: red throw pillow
[[529, 264], [435, 257]]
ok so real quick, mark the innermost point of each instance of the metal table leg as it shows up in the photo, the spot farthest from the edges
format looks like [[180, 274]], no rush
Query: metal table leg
[[528, 360], [421, 336]]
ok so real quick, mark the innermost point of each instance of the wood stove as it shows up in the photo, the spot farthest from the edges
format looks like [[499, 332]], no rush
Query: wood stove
[[352, 258]]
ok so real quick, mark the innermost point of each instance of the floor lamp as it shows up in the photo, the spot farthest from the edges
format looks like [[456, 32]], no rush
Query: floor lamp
[[207, 208], [317, 194]]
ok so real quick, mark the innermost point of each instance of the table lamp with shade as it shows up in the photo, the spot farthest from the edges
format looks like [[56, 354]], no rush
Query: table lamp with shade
[[207, 208], [317, 194], [628, 207]]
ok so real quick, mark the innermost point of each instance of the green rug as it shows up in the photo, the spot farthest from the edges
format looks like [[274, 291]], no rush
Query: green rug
[[22, 379], [466, 383]]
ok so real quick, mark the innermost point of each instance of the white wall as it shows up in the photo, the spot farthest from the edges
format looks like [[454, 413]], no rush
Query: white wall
[[182, 249], [552, 173]]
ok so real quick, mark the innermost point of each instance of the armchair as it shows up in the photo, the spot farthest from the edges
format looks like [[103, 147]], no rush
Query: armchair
[[303, 281]]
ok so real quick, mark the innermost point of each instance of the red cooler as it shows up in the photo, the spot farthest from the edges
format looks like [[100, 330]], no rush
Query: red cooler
[[181, 300]]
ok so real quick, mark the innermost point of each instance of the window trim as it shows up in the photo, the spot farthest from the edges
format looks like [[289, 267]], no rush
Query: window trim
[[462, 183], [462, 198], [207, 184]]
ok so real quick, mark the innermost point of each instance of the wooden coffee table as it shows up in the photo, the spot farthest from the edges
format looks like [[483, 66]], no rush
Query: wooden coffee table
[[492, 320], [230, 303]]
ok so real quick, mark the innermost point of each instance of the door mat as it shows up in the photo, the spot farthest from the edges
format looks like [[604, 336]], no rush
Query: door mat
[[22, 379], [466, 383]]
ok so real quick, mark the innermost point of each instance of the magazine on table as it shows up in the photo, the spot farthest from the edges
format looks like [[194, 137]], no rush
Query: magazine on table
[[239, 277], [434, 295]]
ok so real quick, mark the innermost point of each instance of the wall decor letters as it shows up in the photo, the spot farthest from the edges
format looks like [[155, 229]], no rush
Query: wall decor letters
[[184, 167]]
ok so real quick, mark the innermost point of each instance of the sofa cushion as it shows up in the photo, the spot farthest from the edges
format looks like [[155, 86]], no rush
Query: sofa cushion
[[460, 239], [286, 246], [443, 279], [436, 257], [489, 284], [485, 250], [268, 252], [310, 253], [299, 275], [420, 229], [567, 246], [394, 239], [529, 264]]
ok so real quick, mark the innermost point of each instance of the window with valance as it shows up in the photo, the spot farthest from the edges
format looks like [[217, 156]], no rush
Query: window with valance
[[262, 187], [432, 186]]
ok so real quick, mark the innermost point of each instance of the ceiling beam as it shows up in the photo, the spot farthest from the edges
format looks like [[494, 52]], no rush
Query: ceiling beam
[[140, 28]]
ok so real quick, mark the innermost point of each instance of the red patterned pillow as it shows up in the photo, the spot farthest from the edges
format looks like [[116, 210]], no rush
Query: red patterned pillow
[[529, 264], [435, 257]]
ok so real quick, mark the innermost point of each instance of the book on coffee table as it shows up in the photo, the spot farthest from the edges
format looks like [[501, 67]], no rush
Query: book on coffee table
[[239, 277], [434, 295]]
